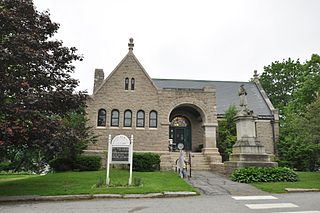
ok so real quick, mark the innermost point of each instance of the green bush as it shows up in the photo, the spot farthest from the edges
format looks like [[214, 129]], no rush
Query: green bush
[[264, 174], [6, 166], [146, 162], [61, 164], [81, 163], [87, 163]]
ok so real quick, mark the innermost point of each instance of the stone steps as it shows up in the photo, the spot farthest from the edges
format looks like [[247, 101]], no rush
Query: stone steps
[[199, 162]]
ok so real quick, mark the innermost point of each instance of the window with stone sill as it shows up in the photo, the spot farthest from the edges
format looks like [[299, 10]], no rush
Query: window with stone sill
[[153, 119], [126, 83], [127, 118], [132, 83], [115, 118], [140, 118], [102, 117]]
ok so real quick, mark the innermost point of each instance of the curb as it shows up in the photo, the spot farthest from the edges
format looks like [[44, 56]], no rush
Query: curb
[[94, 196], [301, 190]]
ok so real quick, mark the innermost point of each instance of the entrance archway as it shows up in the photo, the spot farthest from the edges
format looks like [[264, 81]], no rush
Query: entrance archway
[[180, 132], [186, 127]]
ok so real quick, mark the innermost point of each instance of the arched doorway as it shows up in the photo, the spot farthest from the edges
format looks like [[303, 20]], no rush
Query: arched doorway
[[186, 126], [180, 131]]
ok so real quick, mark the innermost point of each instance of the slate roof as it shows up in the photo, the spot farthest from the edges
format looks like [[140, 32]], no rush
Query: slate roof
[[226, 93]]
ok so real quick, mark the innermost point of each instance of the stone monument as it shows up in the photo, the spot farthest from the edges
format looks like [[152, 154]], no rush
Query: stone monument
[[247, 151]]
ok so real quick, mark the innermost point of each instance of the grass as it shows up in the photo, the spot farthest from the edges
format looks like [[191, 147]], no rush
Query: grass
[[307, 180], [70, 183]]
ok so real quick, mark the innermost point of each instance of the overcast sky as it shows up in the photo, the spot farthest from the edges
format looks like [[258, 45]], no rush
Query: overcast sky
[[189, 39]]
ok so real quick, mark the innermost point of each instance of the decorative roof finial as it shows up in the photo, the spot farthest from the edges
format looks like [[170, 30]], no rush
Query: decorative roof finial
[[255, 77], [131, 44]]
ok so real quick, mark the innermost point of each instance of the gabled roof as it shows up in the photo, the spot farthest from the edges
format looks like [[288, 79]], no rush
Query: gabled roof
[[226, 93], [129, 54]]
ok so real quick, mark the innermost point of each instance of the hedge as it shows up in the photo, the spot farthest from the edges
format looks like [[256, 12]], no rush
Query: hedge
[[264, 174], [146, 162], [81, 163]]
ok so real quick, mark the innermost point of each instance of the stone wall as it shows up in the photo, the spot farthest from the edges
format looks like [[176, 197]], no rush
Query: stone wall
[[265, 135]]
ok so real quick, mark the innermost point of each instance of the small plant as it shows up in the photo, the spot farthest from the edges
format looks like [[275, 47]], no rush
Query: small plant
[[137, 181], [99, 183], [264, 174]]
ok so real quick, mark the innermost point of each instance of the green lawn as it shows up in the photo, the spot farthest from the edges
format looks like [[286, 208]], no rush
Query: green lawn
[[68, 183], [307, 180]]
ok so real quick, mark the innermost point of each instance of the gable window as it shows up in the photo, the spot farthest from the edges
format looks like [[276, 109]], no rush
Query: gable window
[[127, 118], [115, 117], [132, 83], [153, 119], [101, 117], [140, 118], [126, 83]]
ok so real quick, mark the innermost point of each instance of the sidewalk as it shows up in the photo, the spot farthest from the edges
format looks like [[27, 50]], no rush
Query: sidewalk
[[209, 183], [5, 199]]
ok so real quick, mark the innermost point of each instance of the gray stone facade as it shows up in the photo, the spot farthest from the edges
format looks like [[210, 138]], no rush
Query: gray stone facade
[[197, 104]]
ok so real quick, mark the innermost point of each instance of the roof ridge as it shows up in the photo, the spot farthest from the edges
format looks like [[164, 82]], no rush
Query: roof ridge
[[161, 79]]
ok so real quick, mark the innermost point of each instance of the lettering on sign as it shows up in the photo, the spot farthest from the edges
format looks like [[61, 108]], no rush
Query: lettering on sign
[[120, 154]]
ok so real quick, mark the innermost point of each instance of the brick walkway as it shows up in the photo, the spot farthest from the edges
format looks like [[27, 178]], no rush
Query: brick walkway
[[209, 183]]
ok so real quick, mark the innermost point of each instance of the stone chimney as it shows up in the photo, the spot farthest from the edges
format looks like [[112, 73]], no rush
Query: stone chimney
[[98, 79]]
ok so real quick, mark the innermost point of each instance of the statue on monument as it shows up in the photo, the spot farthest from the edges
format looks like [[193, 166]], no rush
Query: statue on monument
[[243, 101]]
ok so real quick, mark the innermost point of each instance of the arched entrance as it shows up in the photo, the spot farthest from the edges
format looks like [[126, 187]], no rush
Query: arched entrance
[[180, 131], [186, 127]]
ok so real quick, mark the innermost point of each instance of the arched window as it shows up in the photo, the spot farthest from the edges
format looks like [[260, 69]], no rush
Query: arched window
[[115, 117], [179, 121], [126, 83], [140, 118], [127, 118], [132, 83], [102, 117], [153, 120]]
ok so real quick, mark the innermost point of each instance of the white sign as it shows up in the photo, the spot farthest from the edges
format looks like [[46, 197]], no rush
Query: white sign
[[120, 140], [120, 151], [180, 146]]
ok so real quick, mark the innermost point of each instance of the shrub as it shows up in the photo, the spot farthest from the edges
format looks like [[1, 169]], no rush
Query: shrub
[[61, 164], [264, 174], [146, 162], [87, 163], [81, 163], [227, 133], [6, 166]]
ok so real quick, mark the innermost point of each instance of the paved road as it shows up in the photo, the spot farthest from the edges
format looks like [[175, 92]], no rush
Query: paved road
[[297, 202], [209, 183]]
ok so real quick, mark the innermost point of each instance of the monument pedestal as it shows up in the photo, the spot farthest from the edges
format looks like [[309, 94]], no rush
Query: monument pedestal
[[247, 151]]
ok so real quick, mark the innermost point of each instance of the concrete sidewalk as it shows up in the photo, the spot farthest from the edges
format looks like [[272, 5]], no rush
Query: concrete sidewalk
[[209, 183], [5, 199]]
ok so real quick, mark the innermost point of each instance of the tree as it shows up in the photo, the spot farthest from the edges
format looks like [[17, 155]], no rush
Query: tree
[[280, 80], [37, 93], [309, 87], [300, 144], [294, 88], [227, 132]]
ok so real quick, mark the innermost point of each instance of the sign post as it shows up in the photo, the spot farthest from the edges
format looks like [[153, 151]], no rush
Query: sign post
[[120, 151]]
